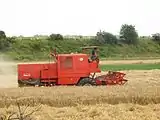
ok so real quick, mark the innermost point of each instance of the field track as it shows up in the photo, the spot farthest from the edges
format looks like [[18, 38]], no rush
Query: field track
[[129, 61], [112, 61]]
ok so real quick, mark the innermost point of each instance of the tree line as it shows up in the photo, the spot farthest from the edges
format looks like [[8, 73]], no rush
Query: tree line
[[127, 35]]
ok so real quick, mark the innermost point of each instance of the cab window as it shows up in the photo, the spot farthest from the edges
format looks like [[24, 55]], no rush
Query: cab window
[[66, 63]]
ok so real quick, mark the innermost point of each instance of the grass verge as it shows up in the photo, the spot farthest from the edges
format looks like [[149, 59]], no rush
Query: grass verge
[[130, 67]]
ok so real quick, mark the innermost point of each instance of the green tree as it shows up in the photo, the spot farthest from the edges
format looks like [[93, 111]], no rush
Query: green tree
[[106, 38], [3, 40], [2, 35], [56, 37], [156, 37], [128, 34], [100, 37]]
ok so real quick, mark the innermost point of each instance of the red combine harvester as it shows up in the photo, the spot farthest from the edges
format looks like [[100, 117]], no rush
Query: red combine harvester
[[68, 69]]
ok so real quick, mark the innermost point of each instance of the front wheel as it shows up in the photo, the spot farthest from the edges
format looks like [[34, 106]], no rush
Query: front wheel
[[86, 82]]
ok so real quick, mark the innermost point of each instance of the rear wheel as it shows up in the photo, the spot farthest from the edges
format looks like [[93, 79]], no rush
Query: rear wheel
[[28, 83], [86, 82]]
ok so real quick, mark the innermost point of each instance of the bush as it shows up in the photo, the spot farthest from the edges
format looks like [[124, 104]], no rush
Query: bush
[[110, 38]]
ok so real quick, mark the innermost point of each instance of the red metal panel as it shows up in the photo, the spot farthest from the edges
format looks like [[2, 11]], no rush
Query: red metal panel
[[81, 64], [26, 71], [37, 71], [78, 66], [65, 66], [49, 71], [49, 80], [71, 68], [93, 67], [67, 81]]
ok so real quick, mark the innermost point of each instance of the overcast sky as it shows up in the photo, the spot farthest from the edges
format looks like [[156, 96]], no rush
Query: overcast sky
[[85, 17]]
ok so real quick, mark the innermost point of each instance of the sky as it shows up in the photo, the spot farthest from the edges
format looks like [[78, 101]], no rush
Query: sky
[[78, 17]]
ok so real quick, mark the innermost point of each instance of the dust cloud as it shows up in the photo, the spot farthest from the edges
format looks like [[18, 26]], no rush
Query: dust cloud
[[8, 74]]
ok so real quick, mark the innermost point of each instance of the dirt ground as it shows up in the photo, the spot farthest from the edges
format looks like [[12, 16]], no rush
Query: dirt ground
[[56, 103], [8, 75], [141, 83]]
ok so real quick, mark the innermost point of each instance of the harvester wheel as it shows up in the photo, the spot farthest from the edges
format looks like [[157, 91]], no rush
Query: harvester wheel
[[86, 82]]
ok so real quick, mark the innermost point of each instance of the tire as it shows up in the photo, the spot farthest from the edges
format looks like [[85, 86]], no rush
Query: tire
[[28, 83], [86, 82]]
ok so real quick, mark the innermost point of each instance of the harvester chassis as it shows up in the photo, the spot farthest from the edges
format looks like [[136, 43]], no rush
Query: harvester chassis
[[68, 69], [111, 78]]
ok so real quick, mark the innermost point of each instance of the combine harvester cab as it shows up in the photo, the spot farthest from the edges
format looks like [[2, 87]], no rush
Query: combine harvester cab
[[68, 69]]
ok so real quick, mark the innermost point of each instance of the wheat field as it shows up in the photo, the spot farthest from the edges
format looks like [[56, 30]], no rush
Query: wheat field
[[139, 99]]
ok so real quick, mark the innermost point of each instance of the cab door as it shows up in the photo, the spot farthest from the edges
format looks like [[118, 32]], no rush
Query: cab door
[[66, 70]]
